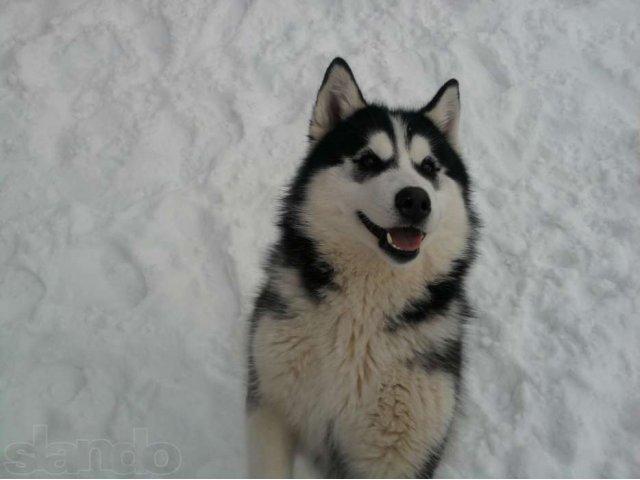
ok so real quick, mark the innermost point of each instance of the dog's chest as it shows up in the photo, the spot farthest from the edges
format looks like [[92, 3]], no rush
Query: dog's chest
[[338, 371], [334, 355]]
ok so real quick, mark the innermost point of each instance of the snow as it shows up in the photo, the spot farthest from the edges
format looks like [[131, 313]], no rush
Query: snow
[[144, 145]]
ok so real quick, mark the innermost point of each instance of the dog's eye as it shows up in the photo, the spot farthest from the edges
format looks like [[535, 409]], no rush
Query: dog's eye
[[368, 161], [429, 167]]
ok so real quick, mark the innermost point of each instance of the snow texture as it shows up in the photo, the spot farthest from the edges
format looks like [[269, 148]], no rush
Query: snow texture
[[144, 146]]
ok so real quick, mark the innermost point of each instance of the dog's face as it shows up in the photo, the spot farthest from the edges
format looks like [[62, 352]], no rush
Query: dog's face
[[378, 178]]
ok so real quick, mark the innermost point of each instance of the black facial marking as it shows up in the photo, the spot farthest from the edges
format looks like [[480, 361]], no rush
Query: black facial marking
[[429, 169], [298, 250], [369, 162], [367, 165], [346, 140], [448, 160]]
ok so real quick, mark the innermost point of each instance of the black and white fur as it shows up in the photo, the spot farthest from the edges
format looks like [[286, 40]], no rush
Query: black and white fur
[[355, 347]]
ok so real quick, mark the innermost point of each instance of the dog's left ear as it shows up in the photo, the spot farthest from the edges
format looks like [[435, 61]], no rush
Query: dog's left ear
[[444, 111], [338, 98]]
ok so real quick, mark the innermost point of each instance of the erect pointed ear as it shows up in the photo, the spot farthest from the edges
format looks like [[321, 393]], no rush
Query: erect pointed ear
[[338, 98], [444, 110]]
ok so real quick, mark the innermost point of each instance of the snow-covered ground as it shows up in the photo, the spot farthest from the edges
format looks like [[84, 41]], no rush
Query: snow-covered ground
[[144, 145]]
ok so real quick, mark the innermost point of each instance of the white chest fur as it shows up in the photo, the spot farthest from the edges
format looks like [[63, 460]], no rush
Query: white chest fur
[[336, 369]]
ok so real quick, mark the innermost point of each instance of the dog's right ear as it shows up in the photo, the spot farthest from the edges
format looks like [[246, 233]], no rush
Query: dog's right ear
[[338, 98]]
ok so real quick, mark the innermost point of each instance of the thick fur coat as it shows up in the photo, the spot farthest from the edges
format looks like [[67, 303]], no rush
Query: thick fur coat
[[356, 340]]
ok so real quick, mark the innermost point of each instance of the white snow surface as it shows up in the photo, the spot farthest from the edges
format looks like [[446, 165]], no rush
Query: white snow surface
[[143, 149]]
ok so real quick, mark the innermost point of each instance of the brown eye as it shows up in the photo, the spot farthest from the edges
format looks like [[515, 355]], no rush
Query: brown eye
[[429, 167], [369, 161]]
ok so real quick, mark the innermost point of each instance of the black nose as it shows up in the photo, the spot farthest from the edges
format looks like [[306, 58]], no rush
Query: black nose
[[413, 203]]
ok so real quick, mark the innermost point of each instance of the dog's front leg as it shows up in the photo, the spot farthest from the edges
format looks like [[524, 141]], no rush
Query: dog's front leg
[[270, 444]]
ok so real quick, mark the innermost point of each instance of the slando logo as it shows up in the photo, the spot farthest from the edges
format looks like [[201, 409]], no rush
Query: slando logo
[[91, 456]]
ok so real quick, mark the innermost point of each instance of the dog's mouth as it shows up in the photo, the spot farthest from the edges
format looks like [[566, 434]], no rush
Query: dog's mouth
[[401, 243]]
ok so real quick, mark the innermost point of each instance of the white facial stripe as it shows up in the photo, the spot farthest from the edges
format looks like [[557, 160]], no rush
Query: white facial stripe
[[419, 148], [381, 145], [399, 130]]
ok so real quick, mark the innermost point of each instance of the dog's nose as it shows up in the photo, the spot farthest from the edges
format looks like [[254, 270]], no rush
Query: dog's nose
[[413, 203]]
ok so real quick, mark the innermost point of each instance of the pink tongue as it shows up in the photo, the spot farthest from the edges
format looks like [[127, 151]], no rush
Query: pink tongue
[[406, 238]]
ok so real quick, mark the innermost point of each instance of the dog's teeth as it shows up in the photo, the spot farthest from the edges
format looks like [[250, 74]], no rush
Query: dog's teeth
[[390, 241]]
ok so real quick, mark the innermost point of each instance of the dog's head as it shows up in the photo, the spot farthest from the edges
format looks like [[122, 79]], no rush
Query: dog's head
[[386, 180]]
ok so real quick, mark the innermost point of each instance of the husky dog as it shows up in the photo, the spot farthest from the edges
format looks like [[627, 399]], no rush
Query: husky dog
[[355, 344]]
